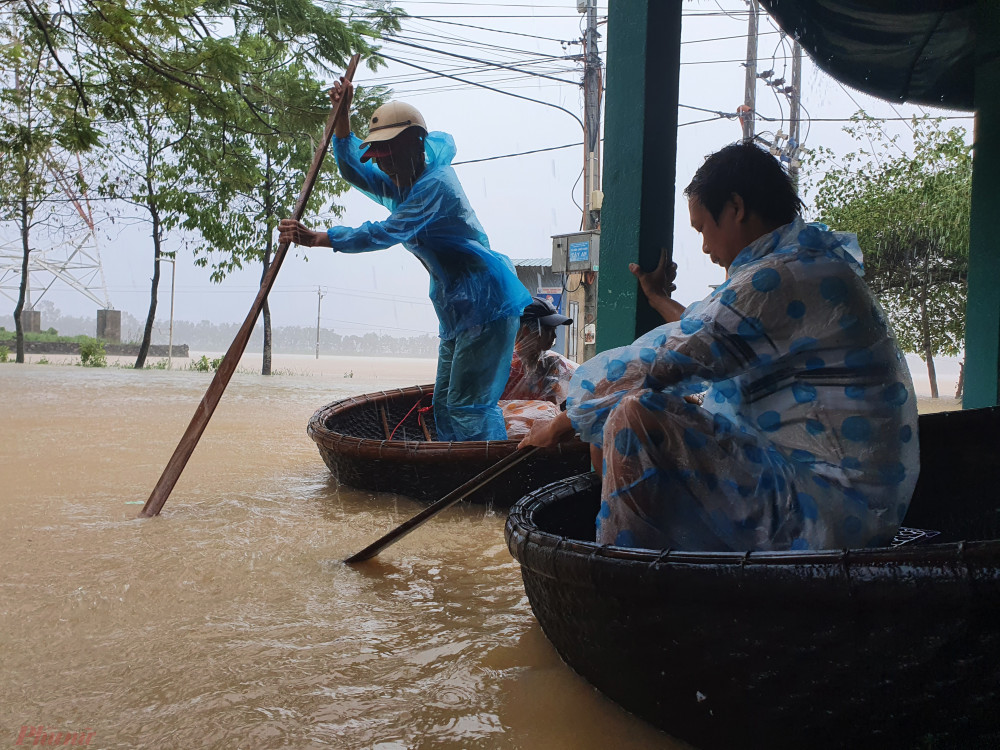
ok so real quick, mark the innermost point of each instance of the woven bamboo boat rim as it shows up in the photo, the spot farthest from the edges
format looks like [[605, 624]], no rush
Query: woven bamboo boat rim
[[969, 560], [342, 443]]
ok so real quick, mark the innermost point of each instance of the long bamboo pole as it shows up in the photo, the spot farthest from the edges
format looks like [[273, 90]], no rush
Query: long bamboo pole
[[445, 502], [206, 408]]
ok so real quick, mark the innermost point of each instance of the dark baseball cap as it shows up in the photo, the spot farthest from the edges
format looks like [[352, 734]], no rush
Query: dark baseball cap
[[544, 312]]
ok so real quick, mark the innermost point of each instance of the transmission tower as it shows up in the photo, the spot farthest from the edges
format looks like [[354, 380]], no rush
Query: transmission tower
[[74, 260]]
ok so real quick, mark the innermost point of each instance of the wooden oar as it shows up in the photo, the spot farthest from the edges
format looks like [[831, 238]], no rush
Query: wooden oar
[[445, 502], [203, 413]]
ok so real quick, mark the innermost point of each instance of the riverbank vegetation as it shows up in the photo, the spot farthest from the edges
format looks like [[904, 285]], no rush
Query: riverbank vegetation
[[50, 335]]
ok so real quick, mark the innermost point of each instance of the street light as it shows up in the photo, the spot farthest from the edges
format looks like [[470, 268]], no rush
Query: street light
[[170, 340], [319, 303]]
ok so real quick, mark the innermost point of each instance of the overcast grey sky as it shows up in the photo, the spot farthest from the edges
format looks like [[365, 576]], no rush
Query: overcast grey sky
[[521, 201]]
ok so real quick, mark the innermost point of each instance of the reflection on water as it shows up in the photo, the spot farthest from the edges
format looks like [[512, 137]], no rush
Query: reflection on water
[[229, 620]]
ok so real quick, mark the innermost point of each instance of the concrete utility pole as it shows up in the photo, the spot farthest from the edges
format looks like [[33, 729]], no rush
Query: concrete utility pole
[[170, 336], [592, 196], [591, 121], [794, 127], [319, 305], [750, 88]]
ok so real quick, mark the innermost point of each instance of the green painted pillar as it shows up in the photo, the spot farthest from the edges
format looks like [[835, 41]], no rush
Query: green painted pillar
[[640, 148], [982, 316]]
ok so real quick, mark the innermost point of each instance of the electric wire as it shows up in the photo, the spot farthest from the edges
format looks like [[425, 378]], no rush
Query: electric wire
[[476, 60], [519, 153], [489, 88]]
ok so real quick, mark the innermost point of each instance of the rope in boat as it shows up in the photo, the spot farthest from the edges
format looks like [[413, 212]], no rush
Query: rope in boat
[[419, 413]]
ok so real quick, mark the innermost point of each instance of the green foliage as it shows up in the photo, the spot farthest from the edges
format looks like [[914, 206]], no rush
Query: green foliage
[[92, 353], [4, 354], [45, 336], [195, 50], [911, 215], [251, 172], [200, 365], [205, 364], [203, 101], [41, 130], [212, 112], [43, 360]]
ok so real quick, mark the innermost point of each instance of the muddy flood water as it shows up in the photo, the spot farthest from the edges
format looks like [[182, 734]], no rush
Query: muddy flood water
[[229, 622]]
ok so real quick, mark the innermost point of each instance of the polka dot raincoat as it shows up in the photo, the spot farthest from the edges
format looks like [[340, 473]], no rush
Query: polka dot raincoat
[[807, 437]]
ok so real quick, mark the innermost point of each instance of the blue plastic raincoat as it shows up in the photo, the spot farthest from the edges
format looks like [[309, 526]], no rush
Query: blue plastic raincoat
[[807, 436], [475, 292]]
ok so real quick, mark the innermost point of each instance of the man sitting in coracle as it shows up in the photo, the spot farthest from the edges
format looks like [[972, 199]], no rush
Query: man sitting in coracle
[[807, 437], [536, 372], [539, 377]]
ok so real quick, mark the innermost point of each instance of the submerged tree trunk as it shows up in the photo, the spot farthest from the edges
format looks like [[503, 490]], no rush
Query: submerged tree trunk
[[931, 374], [960, 389], [147, 331], [23, 289], [928, 352], [925, 330], [266, 310], [265, 368]]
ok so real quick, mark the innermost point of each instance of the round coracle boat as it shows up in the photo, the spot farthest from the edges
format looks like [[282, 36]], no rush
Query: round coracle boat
[[888, 647], [384, 442]]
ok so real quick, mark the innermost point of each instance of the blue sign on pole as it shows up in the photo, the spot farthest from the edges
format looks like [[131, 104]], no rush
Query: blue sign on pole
[[579, 252]]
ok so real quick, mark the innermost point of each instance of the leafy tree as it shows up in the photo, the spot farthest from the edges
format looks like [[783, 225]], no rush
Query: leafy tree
[[251, 171], [911, 215], [197, 44], [253, 175], [39, 130], [202, 64], [141, 172]]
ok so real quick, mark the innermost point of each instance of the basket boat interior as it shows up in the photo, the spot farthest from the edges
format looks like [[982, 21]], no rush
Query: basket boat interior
[[376, 416]]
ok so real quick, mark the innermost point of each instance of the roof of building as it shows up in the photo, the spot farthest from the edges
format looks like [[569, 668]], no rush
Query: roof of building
[[534, 262]]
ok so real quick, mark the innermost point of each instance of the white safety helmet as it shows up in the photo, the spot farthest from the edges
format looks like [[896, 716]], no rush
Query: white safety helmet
[[391, 119]]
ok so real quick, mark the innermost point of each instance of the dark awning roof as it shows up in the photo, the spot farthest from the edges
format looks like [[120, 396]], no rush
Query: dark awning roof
[[919, 51]]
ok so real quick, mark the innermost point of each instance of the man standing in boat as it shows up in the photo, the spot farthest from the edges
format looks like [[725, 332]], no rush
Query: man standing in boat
[[476, 294], [807, 436]]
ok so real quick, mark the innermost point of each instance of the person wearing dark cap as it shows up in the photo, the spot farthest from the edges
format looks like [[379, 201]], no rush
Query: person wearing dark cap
[[537, 373], [475, 292]]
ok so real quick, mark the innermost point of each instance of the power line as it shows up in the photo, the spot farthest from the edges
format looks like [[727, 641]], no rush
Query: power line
[[450, 38], [496, 31], [476, 60], [707, 119], [719, 115], [566, 42], [449, 87], [508, 54], [519, 153], [726, 38], [484, 5], [489, 88]]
